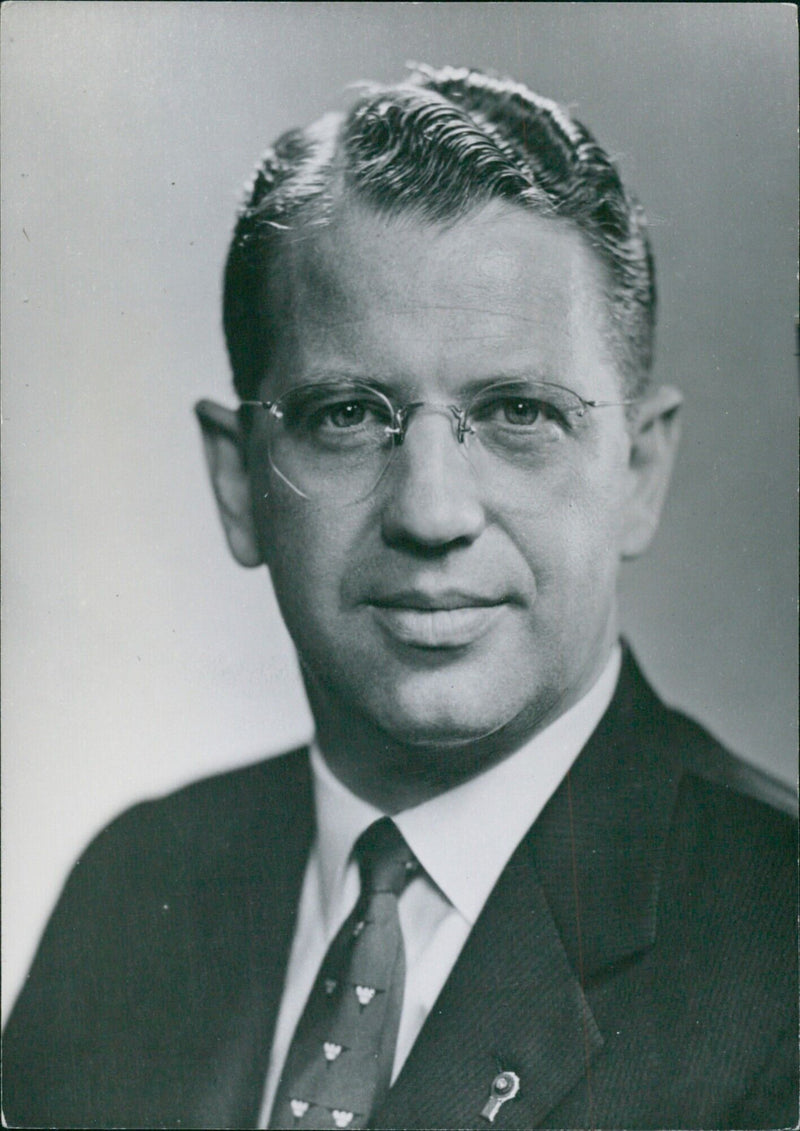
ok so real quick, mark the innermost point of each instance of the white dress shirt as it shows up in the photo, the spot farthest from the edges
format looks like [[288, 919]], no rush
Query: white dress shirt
[[463, 838]]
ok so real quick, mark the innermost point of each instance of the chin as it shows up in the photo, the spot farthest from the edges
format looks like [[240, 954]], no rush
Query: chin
[[440, 718], [428, 734]]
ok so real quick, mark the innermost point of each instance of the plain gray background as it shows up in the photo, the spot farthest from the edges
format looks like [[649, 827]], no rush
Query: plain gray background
[[136, 655]]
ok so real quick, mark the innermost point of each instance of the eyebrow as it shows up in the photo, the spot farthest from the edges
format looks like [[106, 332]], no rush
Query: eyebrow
[[540, 377], [343, 376]]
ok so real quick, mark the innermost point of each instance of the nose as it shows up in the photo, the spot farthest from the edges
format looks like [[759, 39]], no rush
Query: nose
[[432, 501]]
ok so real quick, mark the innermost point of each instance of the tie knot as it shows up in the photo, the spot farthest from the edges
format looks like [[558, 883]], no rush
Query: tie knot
[[384, 859]]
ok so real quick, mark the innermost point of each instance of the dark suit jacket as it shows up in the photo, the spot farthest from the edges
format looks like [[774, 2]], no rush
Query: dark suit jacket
[[636, 964]]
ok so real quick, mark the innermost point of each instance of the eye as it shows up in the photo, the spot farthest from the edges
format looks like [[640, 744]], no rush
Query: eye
[[515, 411], [335, 415], [364, 414], [346, 415], [520, 411]]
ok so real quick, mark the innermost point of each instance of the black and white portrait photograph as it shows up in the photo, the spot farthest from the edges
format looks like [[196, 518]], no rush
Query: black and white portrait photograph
[[399, 565]]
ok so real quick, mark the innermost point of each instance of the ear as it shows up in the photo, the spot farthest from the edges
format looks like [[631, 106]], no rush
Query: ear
[[654, 443], [223, 445]]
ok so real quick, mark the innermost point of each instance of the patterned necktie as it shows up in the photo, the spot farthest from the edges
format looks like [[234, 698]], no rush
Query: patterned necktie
[[339, 1064]]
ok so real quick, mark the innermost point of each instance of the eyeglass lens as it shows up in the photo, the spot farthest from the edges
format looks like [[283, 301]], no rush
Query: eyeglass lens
[[335, 441]]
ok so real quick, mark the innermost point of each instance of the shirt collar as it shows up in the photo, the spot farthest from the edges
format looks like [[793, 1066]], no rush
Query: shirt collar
[[342, 817], [463, 838]]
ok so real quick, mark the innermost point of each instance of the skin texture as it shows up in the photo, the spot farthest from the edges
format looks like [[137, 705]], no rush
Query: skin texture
[[447, 617]]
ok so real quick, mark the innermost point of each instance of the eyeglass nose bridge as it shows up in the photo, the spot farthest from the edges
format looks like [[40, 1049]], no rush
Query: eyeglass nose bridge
[[402, 417]]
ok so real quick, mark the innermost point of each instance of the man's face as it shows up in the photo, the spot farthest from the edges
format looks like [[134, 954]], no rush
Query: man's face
[[447, 604]]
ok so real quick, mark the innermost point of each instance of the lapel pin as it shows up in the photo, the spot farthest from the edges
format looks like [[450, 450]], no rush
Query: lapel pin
[[504, 1087]]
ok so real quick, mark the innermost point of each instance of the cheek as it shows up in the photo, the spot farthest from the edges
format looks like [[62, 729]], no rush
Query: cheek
[[571, 543], [309, 550]]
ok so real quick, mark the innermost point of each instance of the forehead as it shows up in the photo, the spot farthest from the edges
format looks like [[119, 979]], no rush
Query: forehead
[[498, 292]]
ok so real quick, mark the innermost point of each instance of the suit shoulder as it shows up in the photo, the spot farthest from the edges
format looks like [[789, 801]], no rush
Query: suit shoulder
[[735, 826], [682, 746], [145, 955], [705, 758], [241, 794], [214, 818]]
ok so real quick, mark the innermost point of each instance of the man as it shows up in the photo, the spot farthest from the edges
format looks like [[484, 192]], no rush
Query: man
[[506, 885]]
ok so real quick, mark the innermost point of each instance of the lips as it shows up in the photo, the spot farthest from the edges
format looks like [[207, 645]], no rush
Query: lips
[[450, 619]]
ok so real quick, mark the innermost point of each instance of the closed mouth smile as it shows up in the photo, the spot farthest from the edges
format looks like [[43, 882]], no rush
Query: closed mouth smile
[[446, 620]]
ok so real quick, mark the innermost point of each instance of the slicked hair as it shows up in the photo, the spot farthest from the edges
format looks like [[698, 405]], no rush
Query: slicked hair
[[438, 145]]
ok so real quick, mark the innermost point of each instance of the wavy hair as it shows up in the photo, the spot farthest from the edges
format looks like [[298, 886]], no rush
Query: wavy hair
[[438, 145]]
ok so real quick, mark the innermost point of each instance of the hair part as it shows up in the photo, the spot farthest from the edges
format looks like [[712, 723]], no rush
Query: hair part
[[438, 146]]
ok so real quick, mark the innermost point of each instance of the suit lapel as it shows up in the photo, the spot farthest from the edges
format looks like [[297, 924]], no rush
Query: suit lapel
[[579, 894], [599, 843], [248, 912], [512, 1003]]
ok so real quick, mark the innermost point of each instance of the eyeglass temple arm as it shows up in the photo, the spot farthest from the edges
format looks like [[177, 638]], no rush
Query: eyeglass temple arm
[[612, 404]]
